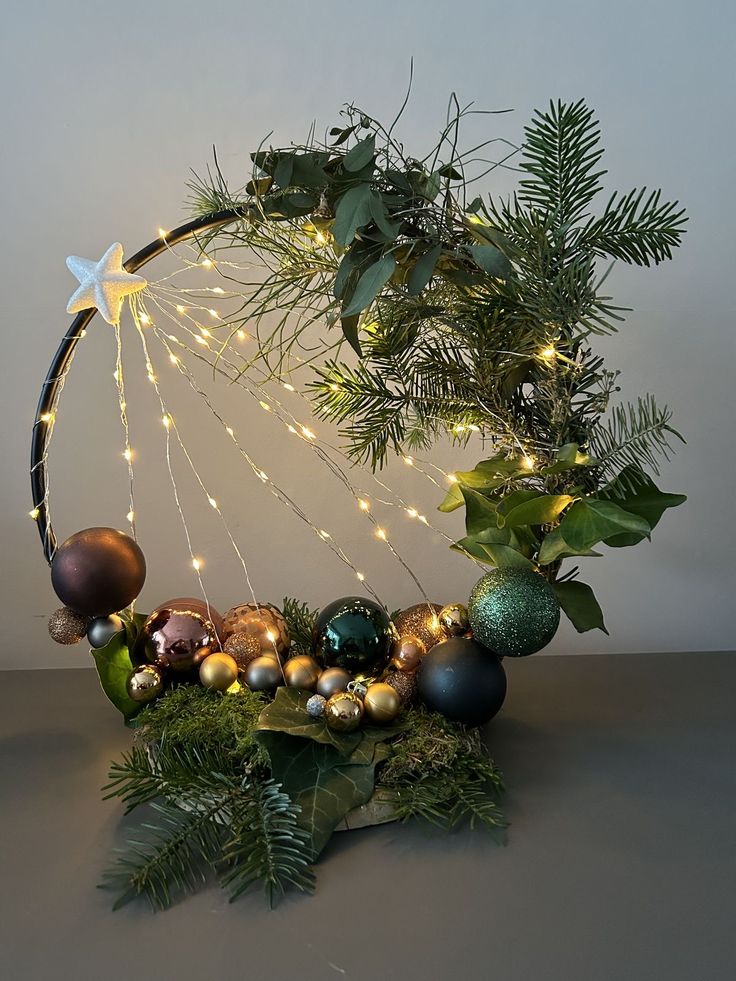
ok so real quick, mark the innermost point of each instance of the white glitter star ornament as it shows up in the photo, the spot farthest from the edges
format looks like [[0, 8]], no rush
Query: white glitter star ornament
[[102, 284]]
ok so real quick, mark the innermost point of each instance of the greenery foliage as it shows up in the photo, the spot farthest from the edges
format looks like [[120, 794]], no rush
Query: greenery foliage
[[467, 316]]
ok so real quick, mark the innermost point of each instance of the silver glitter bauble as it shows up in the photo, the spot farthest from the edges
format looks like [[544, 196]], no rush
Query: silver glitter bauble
[[514, 612], [316, 706]]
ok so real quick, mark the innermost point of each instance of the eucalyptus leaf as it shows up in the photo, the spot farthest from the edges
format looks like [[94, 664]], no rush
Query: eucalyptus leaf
[[353, 211], [491, 260], [389, 229], [360, 155], [370, 285], [580, 605], [422, 270], [350, 331]]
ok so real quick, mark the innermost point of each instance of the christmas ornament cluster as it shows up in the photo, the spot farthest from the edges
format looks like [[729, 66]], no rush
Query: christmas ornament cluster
[[363, 666]]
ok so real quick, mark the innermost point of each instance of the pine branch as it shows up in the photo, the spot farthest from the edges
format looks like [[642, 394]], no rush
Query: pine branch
[[635, 228], [635, 435], [300, 620]]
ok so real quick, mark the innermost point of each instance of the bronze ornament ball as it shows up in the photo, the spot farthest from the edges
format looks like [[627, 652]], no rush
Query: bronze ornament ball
[[404, 683], [514, 612], [422, 620], [454, 619], [218, 671], [408, 651], [243, 647], [145, 683], [98, 571], [381, 703], [463, 681], [101, 630], [263, 674], [302, 671], [67, 626], [354, 633], [344, 711], [178, 636], [261, 620], [333, 680]]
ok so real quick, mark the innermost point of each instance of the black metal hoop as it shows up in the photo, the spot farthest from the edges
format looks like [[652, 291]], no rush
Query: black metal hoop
[[60, 362]]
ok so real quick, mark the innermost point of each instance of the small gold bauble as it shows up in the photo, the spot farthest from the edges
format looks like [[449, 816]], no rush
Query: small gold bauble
[[66, 626], [302, 672], [243, 647], [423, 622], [218, 671], [333, 680], [263, 674], [145, 683], [382, 703], [343, 711], [454, 619], [408, 651]]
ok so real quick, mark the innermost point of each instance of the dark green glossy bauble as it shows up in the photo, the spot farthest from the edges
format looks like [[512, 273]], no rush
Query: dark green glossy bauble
[[514, 612], [354, 633], [462, 680]]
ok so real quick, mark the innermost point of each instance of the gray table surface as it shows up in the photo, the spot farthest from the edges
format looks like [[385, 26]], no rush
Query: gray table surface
[[620, 862]]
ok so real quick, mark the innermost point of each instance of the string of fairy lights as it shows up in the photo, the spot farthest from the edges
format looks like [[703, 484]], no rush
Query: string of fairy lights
[[180, 305]]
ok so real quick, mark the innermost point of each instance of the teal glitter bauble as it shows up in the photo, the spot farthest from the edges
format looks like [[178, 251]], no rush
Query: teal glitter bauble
[[514, 612]]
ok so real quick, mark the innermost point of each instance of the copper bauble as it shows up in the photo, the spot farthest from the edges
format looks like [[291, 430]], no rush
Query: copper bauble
[[218, 671], [404, 683], [333, 680], [178, 636], [262, 620], [263, 674], [454, 619], [243, 647], [66, 626], [302, 672], [145, 683], [98, 571], [408, 651], [423, 622], [344, 711], [382, 703]]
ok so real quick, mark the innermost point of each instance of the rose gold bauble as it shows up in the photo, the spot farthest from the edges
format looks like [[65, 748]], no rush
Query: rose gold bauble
[[264, 621], [178, 636], [407, 652], [423, 622]]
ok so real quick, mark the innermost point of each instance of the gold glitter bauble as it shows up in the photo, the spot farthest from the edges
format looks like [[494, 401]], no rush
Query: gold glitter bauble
[[66, 626], [262, 620], [344, 711], [243, 647], [382, 703], [302, 672], [408, 651], [454, 619], [423, 622], [218, 671], [263, 674], [404, 683], [145, 683]]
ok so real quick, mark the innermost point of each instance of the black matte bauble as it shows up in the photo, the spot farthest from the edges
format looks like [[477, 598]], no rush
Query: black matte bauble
[[462, 680], [178, 636], [101, 630], [98, 571], [354, 633]]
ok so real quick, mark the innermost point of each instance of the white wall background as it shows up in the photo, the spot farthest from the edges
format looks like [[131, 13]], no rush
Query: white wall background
[[107, 106]]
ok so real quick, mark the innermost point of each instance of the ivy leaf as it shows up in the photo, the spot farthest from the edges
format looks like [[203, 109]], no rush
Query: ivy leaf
[[288, 713], [636, 492], [580, 605], [480, 513], [422, 270], [360, 155], [353, 211], [370, 285], [555, 547], [491, 260], [590, 521], [540, 510], [507, 557], [501, 465], [114, 667]]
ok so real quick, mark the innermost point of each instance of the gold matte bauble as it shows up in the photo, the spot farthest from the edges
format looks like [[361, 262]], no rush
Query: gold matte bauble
[[218, 671], [454, 619], [404, 683], [302, 672], [382, 703], [261, 620], [263, 674], [145, 683], [333, 680], [408, 651], [423, 622], [66, 626], [243, 647], [344, 711]]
